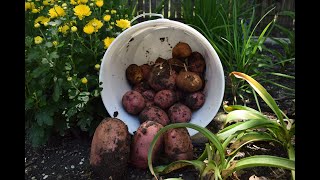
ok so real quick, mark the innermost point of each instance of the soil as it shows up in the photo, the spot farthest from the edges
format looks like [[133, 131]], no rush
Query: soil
[[67, 157]]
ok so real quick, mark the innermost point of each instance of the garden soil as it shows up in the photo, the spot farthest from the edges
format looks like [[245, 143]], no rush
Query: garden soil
[[67, 157]]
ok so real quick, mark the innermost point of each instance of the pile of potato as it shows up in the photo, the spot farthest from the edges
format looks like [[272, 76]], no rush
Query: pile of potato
[[166, 91]]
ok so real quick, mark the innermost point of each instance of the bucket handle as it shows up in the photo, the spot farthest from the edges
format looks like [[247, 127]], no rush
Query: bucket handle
[[144, 14]]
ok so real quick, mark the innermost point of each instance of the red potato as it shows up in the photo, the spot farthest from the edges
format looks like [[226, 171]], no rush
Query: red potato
[[196, 63], [195, 100], [149, 97], [154, 113], [141, 143], [162, 77], [178, 144], [165, 98], [179, 113], [133, 102], [146, 69], [141, 87], [110, 149]]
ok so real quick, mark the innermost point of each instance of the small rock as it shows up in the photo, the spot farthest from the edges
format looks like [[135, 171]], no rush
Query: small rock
[[42, 161], [33, 177], [72, 166], [45, 177], [80, 162]]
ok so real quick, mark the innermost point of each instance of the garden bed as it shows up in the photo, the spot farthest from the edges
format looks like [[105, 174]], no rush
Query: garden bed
[[68, 157]]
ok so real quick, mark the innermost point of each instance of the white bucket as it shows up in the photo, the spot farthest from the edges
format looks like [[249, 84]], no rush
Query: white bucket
[[145, 42]]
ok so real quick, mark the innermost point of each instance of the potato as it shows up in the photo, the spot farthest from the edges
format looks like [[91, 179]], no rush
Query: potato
[[141, 87], [181, 50], [179, 113], [154, 113], [196, 63], [160, 60], [140, 144], [188, 81], [134, 74], [178, 144], [149, 97], [162, 77], [176, 64], [146, 69], [195, 100], [165, 98], [110, 149], [133, 102]]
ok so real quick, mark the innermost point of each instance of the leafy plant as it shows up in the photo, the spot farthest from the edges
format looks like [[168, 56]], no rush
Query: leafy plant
[[219, 159], [64, 45], [232, 29]]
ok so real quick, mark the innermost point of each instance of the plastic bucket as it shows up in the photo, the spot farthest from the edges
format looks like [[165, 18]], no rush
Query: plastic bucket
[[145, 42]]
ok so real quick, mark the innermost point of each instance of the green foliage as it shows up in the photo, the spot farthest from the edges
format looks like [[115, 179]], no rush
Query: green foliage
[[243, 125], [231, 28], [62, 60]]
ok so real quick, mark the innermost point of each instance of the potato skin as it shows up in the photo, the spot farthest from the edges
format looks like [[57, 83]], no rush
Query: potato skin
[[110, 149], [195, 100], [149, 97], [179, 113], [181, 50], [162, 77], [196, 63], [134, 74], [178, 144], [146, 69], [133, 102], [154, 113], [188, 81], [165, 98], [141, 142]]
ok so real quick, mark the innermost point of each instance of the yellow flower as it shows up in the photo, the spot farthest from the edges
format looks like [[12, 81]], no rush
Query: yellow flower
[[45, 23], [38, 40], [84, 80], [74, 29], [64, 29], [99, 3], [83, 1], [96, 24], [107, 41], [36, 25], [29, 5], [45, 2], [81, 11], [107, 18], [97, 66], [113, 11], [88, 29], [55, 43], [56, 11], [123, 23], [42, 20], [64, 5], [34, 10], [73, 2]]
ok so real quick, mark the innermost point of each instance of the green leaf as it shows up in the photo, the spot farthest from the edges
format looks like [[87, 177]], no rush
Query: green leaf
[[33, 55], [56, 92], [244, 115], [241, 126], [260, 160], [199, 165], [263, 94], [248, 138], [39, 71], [53, 55], [36, 135], [44, 118]]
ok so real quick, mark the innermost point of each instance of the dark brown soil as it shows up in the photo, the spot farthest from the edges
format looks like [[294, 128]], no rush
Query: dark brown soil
[[68, 157]]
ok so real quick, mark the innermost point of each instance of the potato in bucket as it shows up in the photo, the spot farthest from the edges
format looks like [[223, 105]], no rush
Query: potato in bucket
[[145, 42]]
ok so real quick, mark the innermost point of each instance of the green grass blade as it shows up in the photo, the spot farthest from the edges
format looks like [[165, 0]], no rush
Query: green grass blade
[[248, 138], [263, 94], [260, 160], [244, 115], [199, 165], [241, 126]]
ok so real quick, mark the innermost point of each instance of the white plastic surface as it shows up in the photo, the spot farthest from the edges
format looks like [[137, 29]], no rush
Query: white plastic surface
[[145, 42]]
